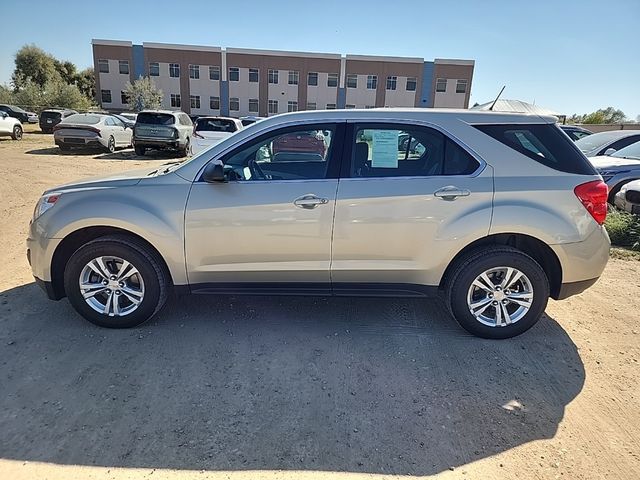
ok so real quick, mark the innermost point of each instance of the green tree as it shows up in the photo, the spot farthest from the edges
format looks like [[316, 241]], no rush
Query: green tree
[[86, 82], [33, 63], [6, 94], [601, 116], [143, 93], [66, 70]]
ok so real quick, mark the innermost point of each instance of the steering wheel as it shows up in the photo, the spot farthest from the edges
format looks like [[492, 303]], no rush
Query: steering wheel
[[256, 170]]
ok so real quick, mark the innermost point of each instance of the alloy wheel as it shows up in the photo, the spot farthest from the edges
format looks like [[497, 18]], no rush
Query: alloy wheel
[[111, 286], [500, 296]]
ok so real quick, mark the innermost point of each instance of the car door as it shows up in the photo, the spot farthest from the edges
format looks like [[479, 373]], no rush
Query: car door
[[269, 225], [6, 123], [409, 198], [122, 134]]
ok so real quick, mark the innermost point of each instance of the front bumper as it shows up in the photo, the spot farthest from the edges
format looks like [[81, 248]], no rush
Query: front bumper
[[622, 203], [40, 252]]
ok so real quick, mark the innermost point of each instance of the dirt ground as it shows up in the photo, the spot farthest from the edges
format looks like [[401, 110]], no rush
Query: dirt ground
[[296, 388]]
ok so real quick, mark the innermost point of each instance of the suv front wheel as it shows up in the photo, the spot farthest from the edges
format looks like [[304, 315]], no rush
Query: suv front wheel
[[497, 292], [116, 282]]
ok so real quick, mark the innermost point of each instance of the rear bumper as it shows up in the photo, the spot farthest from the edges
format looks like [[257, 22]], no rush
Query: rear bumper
[[88, 142], [172, 143]]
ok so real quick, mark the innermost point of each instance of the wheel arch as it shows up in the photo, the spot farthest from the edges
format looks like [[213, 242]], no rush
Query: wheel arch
[[535, 248], [76, 239]]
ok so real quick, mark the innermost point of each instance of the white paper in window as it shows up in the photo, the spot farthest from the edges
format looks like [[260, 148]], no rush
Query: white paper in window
[[384, 149]]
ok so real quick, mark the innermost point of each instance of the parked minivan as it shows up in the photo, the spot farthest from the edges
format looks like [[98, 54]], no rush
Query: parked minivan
[[495, 211]]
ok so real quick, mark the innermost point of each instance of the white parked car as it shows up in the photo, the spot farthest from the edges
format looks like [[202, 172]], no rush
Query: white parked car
[[208, 131], [92, 130], [10, 126]]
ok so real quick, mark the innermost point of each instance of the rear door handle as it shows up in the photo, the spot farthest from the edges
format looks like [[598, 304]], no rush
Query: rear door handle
[[451, 192], [309, 201]]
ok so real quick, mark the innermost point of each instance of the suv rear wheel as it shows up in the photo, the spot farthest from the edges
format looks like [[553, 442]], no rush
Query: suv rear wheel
[[116, 282], [139, 150], [497, 292]]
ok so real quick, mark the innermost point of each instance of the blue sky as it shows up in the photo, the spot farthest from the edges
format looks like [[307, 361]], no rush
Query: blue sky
[[571, 56]]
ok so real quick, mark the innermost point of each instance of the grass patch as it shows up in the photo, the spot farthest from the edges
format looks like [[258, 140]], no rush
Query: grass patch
[[623, 229]]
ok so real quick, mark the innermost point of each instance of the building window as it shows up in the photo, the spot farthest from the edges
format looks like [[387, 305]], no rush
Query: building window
[[195, 101], [292, 106], [312, 79], [154, 69], [253, 105], [234, 104], [194, 71], [273, 76], [311, 105], [372, 82], [392, 82], [214, 103], [332, 80], [273, 106], [103, 66], [234, 74], [214, 73], [349, 106], [175, 100], [352, 80], [441, 85], [461, 86], [174, 70], [294, 77], [254, 76], [123, 66], [124, 99], [106, 96], [411, 84], [331, 106]]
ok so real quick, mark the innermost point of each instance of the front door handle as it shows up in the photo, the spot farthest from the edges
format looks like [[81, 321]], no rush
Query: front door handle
[[309, 201], [451, 192]]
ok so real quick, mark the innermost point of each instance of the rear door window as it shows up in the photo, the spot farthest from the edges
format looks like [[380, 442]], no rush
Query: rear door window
[[543, 143], [406, 151]]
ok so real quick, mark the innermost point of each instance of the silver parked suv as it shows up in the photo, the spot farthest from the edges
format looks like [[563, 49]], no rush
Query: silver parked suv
[[164, 130], [498, 211]]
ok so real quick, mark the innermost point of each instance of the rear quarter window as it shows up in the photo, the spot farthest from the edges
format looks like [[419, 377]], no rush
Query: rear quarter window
[[543, 143]]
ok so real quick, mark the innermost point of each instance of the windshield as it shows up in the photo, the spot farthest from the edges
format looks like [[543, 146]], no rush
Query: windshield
[[597, 140], [215, 125], [149, 118], [83, 119], [630, 151], [50, 115]]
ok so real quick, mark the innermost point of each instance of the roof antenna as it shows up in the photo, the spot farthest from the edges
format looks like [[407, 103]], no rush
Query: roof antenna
[[496, 100]]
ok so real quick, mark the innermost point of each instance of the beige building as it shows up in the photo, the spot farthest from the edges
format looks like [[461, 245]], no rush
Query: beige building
[[203, 80]]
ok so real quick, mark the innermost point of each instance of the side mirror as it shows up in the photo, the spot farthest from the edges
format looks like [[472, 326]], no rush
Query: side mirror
[[213, 173], [609, 151]]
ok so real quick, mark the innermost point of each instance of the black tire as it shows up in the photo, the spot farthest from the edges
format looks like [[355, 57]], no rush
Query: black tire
[[139, 150], [154, 274], [16, 134], [183, 152], [471, 266], [111, 144]]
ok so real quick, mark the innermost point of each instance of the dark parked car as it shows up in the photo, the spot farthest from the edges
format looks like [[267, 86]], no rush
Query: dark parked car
[[51, 117], [17, 112], [574, 132], [606, 143]]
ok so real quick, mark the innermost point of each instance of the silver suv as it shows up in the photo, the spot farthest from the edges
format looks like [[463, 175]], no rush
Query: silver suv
[[162, 129], [497, 211]]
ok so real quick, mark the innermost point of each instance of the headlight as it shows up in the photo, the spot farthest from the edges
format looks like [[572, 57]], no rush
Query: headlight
[[45, 203]]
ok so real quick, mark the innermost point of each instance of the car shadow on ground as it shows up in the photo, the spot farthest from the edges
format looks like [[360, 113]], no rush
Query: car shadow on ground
[[388, 386], [99, 154]]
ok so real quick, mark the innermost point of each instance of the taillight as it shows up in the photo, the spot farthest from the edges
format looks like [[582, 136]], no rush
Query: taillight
[[593, 196]]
